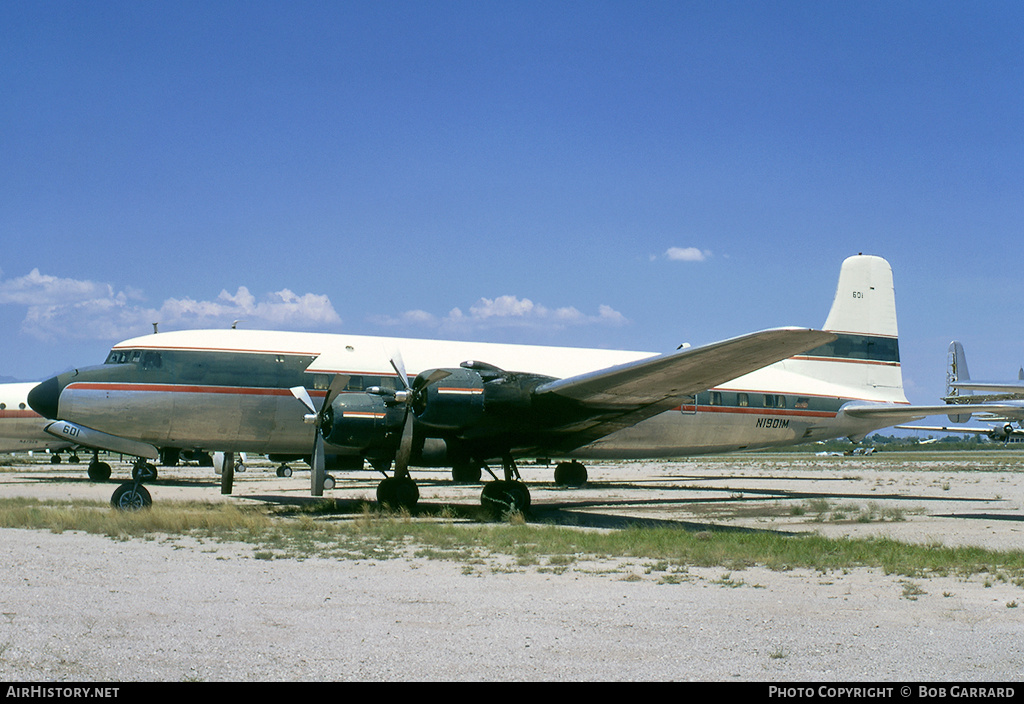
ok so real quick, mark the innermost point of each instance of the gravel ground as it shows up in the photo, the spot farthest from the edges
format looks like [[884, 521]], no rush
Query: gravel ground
[[79, 607]]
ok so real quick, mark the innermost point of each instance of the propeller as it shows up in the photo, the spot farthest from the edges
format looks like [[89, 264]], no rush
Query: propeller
[[406, 396], [404, 452], [317, 418]]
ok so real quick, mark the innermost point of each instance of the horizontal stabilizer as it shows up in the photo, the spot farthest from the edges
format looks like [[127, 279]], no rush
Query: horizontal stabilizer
[[1008, 387], [945, 429], [896, 413]]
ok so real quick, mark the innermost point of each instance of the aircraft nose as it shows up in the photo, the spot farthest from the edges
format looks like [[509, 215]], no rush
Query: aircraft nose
[[45, 397]]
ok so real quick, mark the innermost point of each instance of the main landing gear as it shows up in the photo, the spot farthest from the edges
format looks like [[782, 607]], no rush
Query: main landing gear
[[499, 497], [509, 495], [572, 474], [98, 471]]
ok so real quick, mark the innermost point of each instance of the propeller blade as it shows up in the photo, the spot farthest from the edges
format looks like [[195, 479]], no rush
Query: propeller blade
[[302, 394], [404, 452], [316, 481], [399, 366], [436, 375], [338, 384]]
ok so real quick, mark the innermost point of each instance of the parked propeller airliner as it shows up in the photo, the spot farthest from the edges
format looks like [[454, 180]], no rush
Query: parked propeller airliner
[[961, 389], [411, 402]]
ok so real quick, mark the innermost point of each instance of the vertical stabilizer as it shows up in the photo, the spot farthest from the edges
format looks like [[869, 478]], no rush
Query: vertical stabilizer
[[865, 359], [956, 370], [865, 299]]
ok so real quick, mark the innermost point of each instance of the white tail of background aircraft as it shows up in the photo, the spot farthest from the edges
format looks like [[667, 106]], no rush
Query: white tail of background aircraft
[[956, 370]]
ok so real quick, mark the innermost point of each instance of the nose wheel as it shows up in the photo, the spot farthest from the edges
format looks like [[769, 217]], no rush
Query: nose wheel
[[131, 496]]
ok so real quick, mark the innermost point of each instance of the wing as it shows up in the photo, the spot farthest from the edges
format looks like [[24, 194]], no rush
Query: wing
[[621, 396], [488, 412]]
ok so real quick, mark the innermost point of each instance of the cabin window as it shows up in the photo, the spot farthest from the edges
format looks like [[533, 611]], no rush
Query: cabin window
[[742, 400], [152, 360], [716, 398], [388, 382], [802, 402], [321, 381], [774, 401]]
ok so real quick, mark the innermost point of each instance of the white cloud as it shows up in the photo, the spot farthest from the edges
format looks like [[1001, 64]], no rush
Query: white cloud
[[80, 309], [505, 312], [687, 254], [281, 308], [37, 289]]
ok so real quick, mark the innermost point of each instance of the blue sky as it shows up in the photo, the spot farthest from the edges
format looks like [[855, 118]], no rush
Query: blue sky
[[611, 174]]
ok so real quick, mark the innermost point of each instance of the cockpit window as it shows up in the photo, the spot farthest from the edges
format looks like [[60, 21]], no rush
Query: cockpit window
[[150, 360]]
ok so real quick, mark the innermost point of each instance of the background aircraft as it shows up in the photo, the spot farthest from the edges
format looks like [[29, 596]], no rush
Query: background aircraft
[[961, 389], [235, 390], [21, 428]]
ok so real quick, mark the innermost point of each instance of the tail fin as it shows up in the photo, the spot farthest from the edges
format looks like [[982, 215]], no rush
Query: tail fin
[[865, 360], [956, 370], [865, 302]]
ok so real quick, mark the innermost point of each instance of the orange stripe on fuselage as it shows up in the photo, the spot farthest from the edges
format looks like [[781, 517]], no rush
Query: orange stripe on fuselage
[[185, 388], [757, 411]]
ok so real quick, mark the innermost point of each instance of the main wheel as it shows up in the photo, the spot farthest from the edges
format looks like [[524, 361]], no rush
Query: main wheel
[[131, 496], [398, 493], [99, 471], [570, 474], [503, 497]]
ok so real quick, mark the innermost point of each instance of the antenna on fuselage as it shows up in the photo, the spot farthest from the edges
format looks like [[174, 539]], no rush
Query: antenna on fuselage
[[155, 331], [234, 325]]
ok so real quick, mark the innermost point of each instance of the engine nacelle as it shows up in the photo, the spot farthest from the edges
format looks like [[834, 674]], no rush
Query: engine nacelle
[[364, 423], [456, 401], [1002, 432], [475, 399]]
